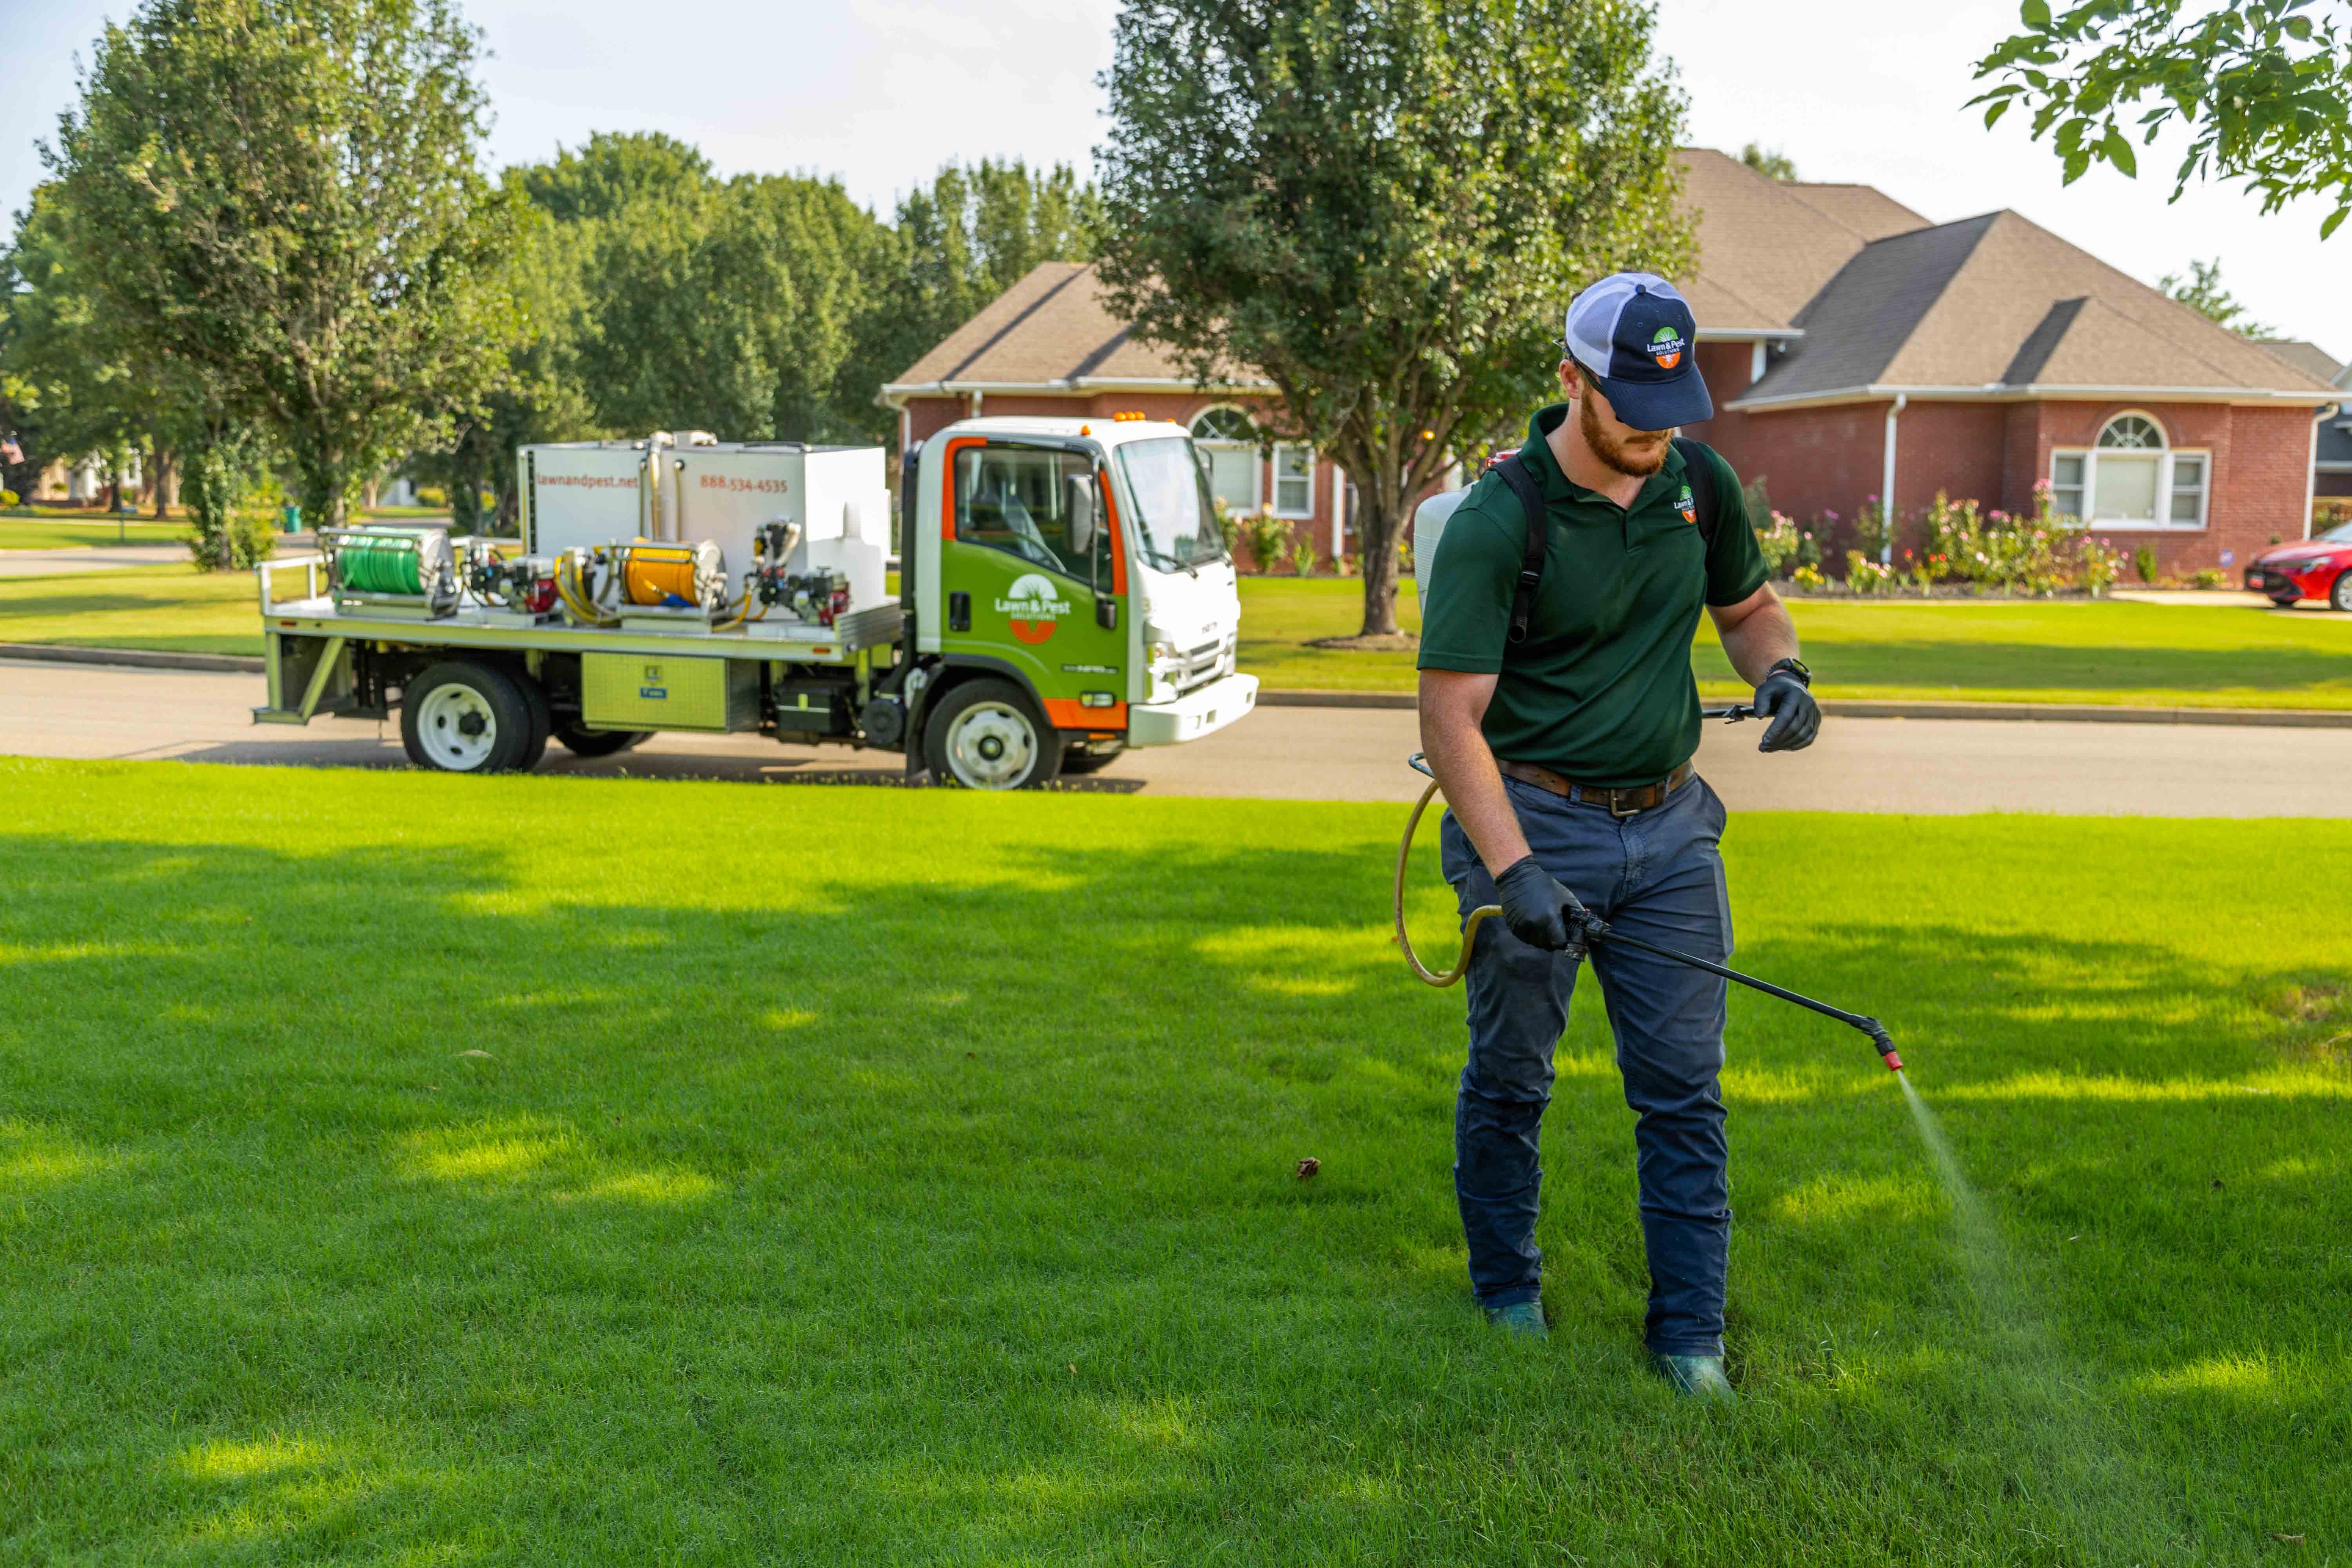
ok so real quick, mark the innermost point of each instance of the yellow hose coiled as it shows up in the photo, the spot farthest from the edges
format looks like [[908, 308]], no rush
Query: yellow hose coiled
[[1478, 916]]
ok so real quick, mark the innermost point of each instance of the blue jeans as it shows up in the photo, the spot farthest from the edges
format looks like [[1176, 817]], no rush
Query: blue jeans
[[1656, 875]]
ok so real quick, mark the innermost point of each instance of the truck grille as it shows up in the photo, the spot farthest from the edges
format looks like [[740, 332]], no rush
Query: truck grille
[[1210, 662]]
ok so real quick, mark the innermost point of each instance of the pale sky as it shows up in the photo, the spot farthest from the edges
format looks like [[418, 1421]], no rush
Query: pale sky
[[881, 92]]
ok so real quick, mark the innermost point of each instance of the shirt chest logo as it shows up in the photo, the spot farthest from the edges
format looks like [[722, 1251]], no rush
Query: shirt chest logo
[[1687, 504]]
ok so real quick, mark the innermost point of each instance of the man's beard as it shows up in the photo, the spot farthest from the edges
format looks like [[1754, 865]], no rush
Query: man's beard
[[1621, 455]]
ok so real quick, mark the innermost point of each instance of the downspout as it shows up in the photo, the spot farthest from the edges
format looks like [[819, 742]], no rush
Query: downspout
[[1887, 480]]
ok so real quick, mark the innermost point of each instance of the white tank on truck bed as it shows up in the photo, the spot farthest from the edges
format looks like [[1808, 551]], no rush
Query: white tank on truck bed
[[684, 487]]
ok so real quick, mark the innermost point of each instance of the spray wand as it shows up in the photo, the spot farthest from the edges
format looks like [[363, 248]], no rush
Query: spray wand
[[1595, 929]]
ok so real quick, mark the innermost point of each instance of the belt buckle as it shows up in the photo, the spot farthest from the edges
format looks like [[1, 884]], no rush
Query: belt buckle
[[1620, 816]]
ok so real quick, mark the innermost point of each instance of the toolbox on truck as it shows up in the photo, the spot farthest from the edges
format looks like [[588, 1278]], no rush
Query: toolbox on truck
[[643, 691]]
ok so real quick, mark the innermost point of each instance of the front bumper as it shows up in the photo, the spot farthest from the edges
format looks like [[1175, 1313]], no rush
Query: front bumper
[[1193, 715]]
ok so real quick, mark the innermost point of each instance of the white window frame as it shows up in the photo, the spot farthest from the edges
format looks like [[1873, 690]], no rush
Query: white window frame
[[2165, 458], [1281, 449], [1256, 465]]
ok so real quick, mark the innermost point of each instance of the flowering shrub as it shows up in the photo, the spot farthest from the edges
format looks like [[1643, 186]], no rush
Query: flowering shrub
[[1268, 538], [1785, 546], [2097, 567], [1864, 575], [1808, 577]]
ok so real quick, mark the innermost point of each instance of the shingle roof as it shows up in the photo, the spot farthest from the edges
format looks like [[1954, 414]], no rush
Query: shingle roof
[[1049, 329], [2308, 357], [1765, 246], [1997, 302]]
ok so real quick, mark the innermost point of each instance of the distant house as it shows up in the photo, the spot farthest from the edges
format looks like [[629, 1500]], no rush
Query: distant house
[[2331, 454], [1861, 350], [1049, 346], [1854, 350]]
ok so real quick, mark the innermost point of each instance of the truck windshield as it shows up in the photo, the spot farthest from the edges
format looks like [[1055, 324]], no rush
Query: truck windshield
[[1178, 526]]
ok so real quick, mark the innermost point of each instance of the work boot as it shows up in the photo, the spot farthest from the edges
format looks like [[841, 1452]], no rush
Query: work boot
[[1699, 1376], [1524, 1318]]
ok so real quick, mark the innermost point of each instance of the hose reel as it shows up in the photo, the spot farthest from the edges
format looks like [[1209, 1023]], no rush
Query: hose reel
[[412, 569]]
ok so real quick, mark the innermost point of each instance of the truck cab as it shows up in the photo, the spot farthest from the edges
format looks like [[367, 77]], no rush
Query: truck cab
[[1067, 594]]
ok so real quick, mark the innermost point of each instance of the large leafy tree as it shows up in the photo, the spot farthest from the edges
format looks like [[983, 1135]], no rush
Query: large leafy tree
[[1383, 206], [959, 242], [81, 383], [2264, 86], [286, 196]]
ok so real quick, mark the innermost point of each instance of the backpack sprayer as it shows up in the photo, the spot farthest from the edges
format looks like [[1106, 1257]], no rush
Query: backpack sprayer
[[1596, 929]]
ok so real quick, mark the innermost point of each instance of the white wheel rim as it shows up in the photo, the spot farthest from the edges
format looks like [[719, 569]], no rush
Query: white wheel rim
[[456, 728], [990, 746]]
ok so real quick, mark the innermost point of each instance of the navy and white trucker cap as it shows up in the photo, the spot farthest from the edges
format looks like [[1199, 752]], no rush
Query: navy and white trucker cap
[[1635, 335]]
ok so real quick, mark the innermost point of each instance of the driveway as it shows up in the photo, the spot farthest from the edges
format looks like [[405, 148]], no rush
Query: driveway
[[1304, 753]]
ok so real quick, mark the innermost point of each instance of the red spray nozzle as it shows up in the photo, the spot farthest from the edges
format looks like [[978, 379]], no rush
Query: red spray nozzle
[[1893, 1062]]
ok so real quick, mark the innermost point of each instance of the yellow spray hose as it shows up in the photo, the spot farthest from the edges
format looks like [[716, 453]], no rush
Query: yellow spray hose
[[1478, 916]]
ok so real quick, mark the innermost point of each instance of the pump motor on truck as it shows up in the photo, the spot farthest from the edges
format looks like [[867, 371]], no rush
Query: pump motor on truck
[[1064, 594]]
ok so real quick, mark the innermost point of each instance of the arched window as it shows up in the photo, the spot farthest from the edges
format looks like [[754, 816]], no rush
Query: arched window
[[2132, 431], [1229, 440], [2131, 477]]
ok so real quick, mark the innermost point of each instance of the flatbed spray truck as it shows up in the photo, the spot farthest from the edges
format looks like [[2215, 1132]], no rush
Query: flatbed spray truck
[[1064, 594]]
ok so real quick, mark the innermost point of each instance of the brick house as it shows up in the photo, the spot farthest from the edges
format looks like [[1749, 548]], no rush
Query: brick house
[[1853, 350], [1856, 350], [1048, 345]]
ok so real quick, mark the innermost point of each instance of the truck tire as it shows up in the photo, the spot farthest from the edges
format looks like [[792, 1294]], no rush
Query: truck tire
[[460, 717], [985, 735], [583, 743], [542, 723]]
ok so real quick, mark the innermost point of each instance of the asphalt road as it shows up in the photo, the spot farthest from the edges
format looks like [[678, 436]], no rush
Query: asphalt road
[[1306, 753]]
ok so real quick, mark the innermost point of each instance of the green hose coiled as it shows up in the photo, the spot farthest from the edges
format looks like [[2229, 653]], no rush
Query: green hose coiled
[[380, 565]]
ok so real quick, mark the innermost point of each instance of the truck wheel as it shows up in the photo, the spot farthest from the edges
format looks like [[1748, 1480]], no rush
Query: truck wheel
[[984, 735], [463, 718], [2339, 595], [542, 723], [583, 743]]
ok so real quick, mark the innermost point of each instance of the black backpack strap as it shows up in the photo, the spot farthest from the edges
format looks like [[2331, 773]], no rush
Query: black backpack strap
[[1700, 470], [1531, 559]]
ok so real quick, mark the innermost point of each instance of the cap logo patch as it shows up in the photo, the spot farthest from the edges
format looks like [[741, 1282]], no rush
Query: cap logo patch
[[1687, 504], [1666, 348]]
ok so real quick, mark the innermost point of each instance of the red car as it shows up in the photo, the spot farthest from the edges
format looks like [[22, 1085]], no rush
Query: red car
[[2317, 568]]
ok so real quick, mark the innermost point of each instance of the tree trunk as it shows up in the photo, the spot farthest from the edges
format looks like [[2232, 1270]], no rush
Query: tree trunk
[[166, 471], [1376, 533]]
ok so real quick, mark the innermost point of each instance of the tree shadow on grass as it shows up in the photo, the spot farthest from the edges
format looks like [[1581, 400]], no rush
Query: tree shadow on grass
[[863, 1216]]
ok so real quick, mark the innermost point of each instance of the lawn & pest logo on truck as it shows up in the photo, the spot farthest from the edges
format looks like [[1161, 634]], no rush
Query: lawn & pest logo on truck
[[1033, 606]]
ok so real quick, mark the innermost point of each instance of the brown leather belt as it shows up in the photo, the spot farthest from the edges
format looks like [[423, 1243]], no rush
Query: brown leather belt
[[1621, 802]]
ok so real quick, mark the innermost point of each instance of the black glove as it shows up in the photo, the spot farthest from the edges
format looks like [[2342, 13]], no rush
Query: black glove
[[1539, 912], [1796, 716]]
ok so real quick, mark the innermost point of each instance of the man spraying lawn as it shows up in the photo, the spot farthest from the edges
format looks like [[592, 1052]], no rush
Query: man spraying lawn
[[1560, 715]]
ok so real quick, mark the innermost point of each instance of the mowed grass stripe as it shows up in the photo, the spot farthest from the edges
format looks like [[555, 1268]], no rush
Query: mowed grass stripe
[[2055, 651], [860, 1176]]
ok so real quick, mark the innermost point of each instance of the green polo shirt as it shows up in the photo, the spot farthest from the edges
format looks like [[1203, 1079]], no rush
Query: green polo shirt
[[1602, 690]]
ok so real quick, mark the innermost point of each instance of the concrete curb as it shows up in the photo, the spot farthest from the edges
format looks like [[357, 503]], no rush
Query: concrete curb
[[2024, 712], [139, 658]]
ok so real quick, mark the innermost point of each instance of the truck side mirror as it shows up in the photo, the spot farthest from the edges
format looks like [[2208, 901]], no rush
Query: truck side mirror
[[1106, 613], [1081, 491]]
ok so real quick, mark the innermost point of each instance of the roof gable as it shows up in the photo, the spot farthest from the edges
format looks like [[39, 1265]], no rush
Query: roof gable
[[1050, 329], [1997, 303], [1766, 247]]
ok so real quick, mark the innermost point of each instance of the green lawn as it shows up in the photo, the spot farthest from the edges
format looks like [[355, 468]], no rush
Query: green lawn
[[2057, 651], [176, 608], [51, 532], [866, 1176]]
